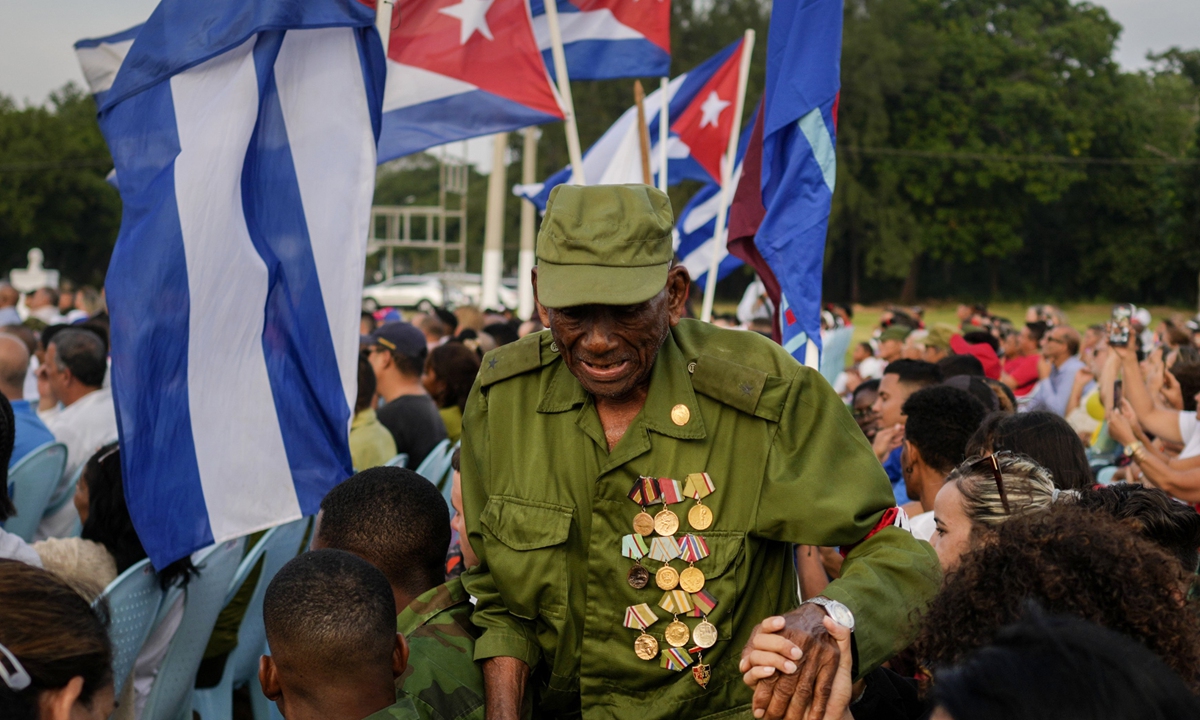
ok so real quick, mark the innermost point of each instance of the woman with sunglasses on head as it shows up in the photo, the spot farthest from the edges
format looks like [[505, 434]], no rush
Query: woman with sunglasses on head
[[55, 656], [982, 493]]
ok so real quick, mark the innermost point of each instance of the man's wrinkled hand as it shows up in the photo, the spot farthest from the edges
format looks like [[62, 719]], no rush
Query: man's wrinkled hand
[[797, 640]]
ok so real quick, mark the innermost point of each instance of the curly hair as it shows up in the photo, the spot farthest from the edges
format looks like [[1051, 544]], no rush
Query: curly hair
[[1151, 513], [1072, 562], [940, 421]]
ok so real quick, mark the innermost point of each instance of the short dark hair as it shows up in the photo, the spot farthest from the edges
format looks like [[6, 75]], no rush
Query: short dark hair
[[371, 321], [410, 365], [82, 352], [1188, 375], [1050, 442], [865, 386], [867, 346], [954, 365], [982, 337], [503, 333], [449, 319], [396, 520], [1037, 330], [1047, 667], [940, 421], [366, 384], [1153, 514], [914, 372], [333, 607]]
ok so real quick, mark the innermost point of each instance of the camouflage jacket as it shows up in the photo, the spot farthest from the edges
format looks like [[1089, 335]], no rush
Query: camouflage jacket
[[402, 710], [442, 678]]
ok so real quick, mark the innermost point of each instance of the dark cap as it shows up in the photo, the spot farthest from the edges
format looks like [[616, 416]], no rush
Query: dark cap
[[400, 338], [605, 244]]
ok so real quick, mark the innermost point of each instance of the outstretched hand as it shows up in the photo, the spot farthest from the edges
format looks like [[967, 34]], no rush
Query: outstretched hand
[[791, 662]]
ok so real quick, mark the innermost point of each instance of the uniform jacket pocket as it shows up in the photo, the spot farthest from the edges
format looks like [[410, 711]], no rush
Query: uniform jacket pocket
[[525, 554]]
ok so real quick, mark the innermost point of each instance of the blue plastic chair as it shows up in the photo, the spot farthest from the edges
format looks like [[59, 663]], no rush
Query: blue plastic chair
[[65, 493], [400, 460], [276, 547], [31, 484], [171, 694], [133, 602], [833, 355], [436, 467]]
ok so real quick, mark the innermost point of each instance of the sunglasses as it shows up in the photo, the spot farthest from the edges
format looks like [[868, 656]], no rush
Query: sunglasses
[[990, 463]]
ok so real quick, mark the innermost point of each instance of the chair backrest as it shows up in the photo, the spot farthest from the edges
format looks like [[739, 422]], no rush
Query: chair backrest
[[279, 545], [436, 467], [133, 600], [400, 460], [65, 492], [833, 356], [171, 695], [31, 483]]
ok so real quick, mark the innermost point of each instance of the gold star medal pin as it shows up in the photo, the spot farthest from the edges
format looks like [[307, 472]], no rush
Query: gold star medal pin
[[698, 486]]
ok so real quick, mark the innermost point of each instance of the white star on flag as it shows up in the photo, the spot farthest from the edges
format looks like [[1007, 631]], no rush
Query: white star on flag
[[473, 16], [711, 108]]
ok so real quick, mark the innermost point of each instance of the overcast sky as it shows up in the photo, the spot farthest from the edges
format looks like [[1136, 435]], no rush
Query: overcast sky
[[36, 38]]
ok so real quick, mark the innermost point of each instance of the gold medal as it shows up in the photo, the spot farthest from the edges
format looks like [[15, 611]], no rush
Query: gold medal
[[638, 577], [666, 578], [645, 647], [680, 415], [700, 517], [666, 523], [705, 634], [643, 524], [702, 673], [692, 579], [677, 634]]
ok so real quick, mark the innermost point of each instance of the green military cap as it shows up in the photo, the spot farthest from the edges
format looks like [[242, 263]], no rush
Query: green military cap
[[939, 336], [605, 244], [895, 332]]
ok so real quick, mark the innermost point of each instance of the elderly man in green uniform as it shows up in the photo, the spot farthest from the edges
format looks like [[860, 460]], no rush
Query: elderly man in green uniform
[[633, 483]]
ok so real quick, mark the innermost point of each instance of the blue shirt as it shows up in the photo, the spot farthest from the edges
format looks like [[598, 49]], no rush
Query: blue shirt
[[31, 431], [1054, 390], [895, 473]]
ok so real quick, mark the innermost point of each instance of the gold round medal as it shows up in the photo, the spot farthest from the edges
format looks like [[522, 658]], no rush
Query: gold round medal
[[680, 415], [645, 647], [638, 577], [705, 634], [643, 524], [700, 517], [666, 578], [677, 634], [691, 579], [666, 523]]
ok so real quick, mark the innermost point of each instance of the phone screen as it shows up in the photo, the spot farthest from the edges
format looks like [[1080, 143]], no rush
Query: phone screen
[[1117, 387], [1119, 327]]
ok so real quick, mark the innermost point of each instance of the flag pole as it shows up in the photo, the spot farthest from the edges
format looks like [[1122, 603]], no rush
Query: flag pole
[[664, 133], [493, 229], [564, 90], [527, 257], [383, 22], [714, 262], [639, 99]]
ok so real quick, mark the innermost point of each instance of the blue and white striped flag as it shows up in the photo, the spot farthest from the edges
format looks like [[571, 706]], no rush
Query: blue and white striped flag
[[244, 135]]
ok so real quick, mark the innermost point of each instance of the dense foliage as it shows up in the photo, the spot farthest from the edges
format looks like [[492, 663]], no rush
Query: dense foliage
[[976, 150]]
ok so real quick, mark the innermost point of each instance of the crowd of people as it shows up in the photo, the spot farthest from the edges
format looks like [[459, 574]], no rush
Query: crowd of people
[[1007, 529]]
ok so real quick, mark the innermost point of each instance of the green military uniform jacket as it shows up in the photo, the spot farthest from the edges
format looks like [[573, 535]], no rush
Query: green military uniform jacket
[[443, 680], [546, 505], [402, 710]]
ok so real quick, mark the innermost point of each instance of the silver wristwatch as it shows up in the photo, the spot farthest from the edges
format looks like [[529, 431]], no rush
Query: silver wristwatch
[[836, 610]]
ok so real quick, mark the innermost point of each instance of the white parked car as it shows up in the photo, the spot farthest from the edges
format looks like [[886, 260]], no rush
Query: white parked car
[[439, 289]]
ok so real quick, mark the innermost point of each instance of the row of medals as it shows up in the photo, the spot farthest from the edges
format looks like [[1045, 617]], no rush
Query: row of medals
[[691, 580]]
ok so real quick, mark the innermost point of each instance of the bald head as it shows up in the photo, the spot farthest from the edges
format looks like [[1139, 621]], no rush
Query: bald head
[[9, 297], [14, 363]]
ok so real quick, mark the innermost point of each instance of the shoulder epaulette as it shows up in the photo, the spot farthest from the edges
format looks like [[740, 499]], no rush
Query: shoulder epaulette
[[750, 390], [514, 359]]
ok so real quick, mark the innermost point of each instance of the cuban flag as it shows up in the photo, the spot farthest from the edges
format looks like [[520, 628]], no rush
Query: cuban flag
[[780, 214], [696, 226], [700, 104], [608, 39], [244, 134], [458, 69]]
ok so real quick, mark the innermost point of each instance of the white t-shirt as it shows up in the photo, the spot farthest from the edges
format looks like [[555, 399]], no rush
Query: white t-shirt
[[84, 426], [1189, 430]]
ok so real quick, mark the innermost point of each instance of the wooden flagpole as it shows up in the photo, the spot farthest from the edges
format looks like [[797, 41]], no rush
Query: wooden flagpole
[[664, 133], [639, 98], [564, 90]]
